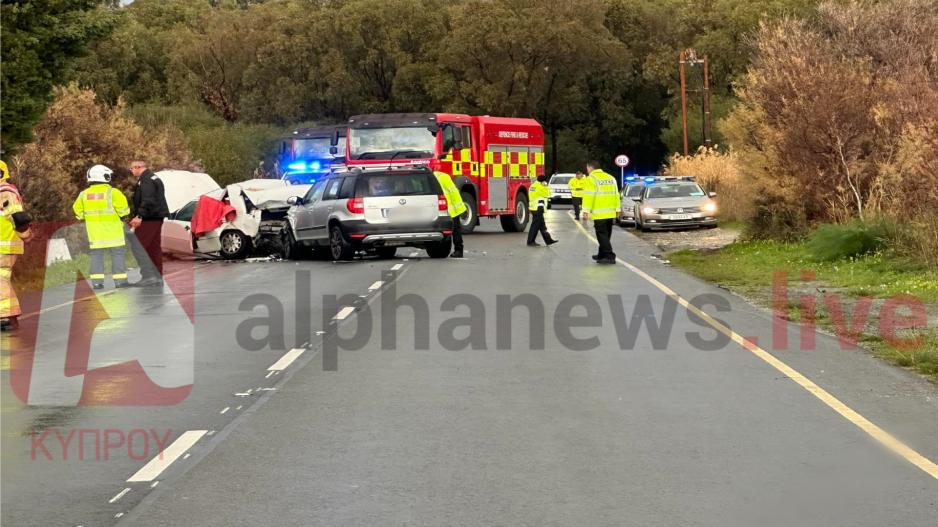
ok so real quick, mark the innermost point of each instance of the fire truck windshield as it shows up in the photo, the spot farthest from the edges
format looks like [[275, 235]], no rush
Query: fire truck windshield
[[384, 143]]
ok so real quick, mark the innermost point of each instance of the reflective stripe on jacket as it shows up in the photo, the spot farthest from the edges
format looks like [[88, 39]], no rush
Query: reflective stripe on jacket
[[101, 207], [11, 242], [454, 203], [601, 198]]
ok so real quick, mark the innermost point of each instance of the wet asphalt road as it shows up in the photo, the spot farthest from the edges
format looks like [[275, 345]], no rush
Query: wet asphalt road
[[441, 426]]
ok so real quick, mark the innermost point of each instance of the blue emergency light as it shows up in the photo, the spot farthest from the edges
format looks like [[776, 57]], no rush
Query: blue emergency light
[[315, 166], [630, 178], [649, 179]]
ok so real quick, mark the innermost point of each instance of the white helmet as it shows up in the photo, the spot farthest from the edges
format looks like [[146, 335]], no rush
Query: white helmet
[[99, 174]]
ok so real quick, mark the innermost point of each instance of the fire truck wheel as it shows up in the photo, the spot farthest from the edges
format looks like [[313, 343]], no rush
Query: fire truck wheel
[[470, 218], [519, 220]]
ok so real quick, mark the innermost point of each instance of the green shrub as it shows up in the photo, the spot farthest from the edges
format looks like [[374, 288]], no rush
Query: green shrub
[[831, 242]]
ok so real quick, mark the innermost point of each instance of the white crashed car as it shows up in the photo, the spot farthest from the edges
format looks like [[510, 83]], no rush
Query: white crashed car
[[260, 207]]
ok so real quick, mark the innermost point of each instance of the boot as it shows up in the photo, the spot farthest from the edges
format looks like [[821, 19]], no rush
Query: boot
[[9, 323], [456, 254]]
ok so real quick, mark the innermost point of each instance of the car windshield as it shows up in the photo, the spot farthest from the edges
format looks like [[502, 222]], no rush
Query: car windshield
[[633, 191], [382, 185], [560, 180], [414, 142], [316, 148], [675, 190]]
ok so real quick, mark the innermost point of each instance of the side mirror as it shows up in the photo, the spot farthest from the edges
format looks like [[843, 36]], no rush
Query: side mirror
[[712, 194], [294, 200], [333, 150], [433, 129]]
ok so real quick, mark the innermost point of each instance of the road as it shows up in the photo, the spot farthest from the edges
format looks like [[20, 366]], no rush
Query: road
[[426, 422]]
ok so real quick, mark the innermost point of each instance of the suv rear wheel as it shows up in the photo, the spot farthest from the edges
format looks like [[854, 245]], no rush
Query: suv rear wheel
[[440, 249], [339, 247]]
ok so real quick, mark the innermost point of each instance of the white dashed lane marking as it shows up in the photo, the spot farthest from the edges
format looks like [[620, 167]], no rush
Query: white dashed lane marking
[[164, 459], [344, 313], [376, 285], [286, 360], [397, 267], [119, 495]]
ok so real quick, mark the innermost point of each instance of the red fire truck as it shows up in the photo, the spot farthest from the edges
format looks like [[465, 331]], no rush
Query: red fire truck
[[491, 159]]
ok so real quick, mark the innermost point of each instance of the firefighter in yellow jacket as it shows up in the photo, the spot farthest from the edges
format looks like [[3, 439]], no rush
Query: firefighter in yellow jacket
[[601, 203], [539, 196], [14, 231], [101, 207], [455, 206]]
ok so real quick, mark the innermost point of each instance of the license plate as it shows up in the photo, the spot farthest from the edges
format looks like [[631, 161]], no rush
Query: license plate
[[680, 217], [404, 214]]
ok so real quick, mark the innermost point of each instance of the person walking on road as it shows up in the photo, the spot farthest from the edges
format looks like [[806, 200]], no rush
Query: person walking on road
[[456, 207], [101, 207], [14, 231], [149, 210], [539, 195], [601, 204], [576, 193]]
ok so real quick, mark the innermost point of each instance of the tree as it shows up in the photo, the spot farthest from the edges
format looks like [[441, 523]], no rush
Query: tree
[[40, 42]]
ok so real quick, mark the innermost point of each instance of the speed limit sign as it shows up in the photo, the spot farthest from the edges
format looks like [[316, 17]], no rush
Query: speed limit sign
[[622, 160]]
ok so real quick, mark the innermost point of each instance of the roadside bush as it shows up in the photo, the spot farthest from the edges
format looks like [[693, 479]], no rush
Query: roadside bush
[[76, 133], [716, 172], [831, 242], [228, 152], [773, 218]]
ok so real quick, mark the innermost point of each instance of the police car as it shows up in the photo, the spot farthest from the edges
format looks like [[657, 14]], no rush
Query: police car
[[559, 189], [674, 202]]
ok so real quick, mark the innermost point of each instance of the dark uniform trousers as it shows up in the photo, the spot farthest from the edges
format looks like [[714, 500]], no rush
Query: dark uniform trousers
[[603, 236]]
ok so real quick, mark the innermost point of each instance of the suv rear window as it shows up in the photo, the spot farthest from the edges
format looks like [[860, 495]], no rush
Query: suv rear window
[[379, 185]]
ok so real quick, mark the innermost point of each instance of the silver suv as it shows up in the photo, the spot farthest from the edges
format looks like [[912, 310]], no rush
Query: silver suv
[[371, 211], [674, 202]]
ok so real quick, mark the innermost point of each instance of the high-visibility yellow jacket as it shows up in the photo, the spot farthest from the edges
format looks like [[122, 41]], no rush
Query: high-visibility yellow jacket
[[454, 203], [601, 195], [576, 186], [11, 242], [538, 195], [102, 206]]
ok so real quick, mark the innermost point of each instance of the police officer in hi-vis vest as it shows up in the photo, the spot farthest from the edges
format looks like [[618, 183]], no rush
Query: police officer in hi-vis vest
[[101, 207], [455, 206], [601, 204]]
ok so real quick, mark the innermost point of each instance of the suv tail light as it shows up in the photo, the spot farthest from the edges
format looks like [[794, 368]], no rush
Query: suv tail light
[[441, 202], [356, 205]]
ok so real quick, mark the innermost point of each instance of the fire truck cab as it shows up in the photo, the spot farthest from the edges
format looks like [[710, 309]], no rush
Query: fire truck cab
[[492, 160]]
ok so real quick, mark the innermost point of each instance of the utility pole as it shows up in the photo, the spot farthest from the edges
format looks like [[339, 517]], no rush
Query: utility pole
[[706, 101], [689, 57], [682, 60]]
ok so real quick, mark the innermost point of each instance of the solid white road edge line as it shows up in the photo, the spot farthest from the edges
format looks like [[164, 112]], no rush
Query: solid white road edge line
[[164, 459]]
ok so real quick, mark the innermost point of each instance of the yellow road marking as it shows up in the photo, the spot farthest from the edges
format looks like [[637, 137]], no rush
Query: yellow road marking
[[877, 433]]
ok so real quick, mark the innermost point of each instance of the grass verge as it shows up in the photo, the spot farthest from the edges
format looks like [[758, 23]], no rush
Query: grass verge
[[748, 268]]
